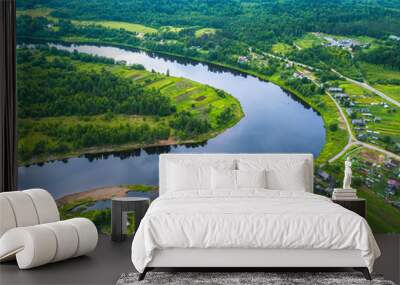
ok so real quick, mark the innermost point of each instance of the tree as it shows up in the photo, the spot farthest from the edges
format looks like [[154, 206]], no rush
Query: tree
[[333, 127]]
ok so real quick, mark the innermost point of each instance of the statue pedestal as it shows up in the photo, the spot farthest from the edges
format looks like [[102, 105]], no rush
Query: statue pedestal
[[344, 194]]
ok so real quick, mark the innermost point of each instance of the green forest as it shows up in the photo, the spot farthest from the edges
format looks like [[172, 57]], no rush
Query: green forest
[[307, 47]]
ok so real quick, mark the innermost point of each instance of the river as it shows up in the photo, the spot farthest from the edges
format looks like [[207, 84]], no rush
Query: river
[[275, 122]]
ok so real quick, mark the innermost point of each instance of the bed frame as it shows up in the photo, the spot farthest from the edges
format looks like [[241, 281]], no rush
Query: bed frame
[[245, 259]]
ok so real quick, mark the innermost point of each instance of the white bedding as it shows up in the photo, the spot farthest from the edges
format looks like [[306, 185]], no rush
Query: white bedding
[[250, 219]]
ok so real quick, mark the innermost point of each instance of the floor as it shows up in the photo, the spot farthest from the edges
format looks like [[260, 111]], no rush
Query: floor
[[110, 260]]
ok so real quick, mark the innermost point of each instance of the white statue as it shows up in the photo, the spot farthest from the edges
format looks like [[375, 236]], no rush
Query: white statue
[[347, 174]]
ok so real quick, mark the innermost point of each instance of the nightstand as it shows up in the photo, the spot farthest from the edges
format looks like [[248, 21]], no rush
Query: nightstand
[[120, 207], [358, 205]]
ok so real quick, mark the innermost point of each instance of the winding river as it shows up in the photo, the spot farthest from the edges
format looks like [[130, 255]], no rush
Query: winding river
[[274, 122]]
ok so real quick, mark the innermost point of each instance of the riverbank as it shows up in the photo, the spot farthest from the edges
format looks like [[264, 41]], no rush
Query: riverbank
[[103, 193], [109, 149], [335, 140]]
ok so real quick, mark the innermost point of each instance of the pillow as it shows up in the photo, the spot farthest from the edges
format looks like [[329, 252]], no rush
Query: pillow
[[223, 179], [227, 179], [185, 178], [185, 174], [251, 178], [285, 174]]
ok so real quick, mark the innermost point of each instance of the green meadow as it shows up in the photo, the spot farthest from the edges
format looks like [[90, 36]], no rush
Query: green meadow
[[309, 40], [130, 27], [205, 31], [379, 77], [282, 48]]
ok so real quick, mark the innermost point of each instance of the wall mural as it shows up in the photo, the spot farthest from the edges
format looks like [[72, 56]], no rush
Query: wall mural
[[101, 95]]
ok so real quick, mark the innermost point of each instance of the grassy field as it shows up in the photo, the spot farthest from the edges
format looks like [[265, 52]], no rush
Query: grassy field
[[37, 12], [382, 217], [205, 31], [374, 73], [170, 29], [308, 41], [390, 90], [130, 27], [282, 48]]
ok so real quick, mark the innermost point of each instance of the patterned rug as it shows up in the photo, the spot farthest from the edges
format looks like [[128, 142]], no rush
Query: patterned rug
[[244, 278]]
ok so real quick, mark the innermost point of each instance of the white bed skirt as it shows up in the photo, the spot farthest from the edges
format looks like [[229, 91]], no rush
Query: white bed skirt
[[189, 257]]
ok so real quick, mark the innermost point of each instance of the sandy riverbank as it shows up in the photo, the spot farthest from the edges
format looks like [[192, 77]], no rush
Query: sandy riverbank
[[103, 193]]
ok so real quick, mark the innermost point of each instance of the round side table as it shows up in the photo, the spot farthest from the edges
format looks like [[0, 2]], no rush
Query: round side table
[[120, 207]]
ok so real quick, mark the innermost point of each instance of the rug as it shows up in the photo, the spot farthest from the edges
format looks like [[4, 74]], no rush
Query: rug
[[244, 278]]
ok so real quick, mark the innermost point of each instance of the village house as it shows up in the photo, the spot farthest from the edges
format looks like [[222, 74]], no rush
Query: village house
[[394, 184], [324, 175], [358, 122], [243, 59], [392, 187], [362, 136], [343, 43], [349, 111], [390, 163], [395, 38], [335, 89], [289, 65], [298, 75], [367, 114], [342, 96]]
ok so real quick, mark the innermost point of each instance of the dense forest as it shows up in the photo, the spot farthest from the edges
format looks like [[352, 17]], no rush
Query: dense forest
[[284, 19], [388, 55], [75, 92]]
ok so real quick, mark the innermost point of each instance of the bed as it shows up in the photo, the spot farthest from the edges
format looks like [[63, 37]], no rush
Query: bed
[[246, 211]]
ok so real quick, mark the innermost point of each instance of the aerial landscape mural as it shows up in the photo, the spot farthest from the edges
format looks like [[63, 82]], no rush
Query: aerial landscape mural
[[104, 87]]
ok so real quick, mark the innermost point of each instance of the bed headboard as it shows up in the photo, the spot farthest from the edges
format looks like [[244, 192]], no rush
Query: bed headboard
[[209, 157]]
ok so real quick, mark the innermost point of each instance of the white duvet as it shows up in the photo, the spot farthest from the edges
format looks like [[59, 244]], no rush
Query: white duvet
[[250, 219]]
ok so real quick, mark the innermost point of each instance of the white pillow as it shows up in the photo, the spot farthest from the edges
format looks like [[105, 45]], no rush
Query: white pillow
[[185, 174], [223, 179], [185, 178], [227, 179], [251, 178], [286, 174]]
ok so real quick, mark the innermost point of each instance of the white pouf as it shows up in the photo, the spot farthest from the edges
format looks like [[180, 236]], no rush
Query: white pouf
[[31, 232]]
